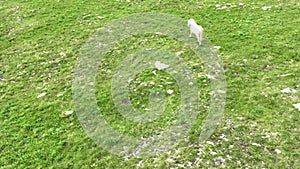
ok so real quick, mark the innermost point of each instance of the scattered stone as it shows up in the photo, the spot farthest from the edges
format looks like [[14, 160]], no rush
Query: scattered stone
[[288, 90], [255, 144], [277, 151], [297, 106], [170, 91], [266, 8], [59, 95], [42, 95], [160, 65], [68, 112]]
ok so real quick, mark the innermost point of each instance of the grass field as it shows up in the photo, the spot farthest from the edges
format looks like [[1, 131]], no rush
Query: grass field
[[40, 42]]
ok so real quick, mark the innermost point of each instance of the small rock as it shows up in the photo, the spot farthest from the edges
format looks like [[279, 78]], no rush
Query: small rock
[[213, 153], [277, 151], [170, 91], [224, 7], [297, 106], [62, 54], [288, 90], [179, 53], [255, 144], [266, 7], [68, 112], [59, 95], [209, 142], [42, 95], [160, 65]]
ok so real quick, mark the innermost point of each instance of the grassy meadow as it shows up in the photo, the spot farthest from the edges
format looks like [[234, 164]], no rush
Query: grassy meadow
[[259, 45]]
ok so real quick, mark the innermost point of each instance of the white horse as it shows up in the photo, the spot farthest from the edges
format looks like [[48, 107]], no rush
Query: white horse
[[196, 29]]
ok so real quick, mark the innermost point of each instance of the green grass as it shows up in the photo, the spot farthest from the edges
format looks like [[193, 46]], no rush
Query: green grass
[[40, 42]]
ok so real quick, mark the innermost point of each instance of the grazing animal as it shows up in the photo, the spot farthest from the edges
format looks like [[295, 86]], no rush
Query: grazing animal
[[196, 29]]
